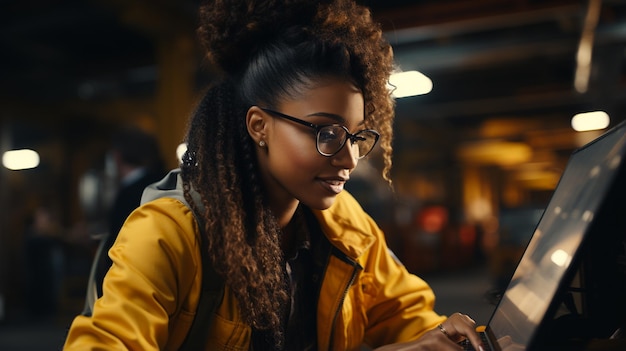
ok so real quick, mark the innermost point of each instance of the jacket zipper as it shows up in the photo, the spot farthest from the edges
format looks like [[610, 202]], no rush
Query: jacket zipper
[[356, 267]]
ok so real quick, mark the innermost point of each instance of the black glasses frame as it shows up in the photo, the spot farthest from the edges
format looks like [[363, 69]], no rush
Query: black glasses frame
[[317, 127]]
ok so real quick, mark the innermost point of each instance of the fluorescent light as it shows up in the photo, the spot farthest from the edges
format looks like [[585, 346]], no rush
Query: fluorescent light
[[20, 159], [586, 121], [409, 83]]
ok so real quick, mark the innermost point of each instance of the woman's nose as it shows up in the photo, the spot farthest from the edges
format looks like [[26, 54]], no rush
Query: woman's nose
[[347, 157]]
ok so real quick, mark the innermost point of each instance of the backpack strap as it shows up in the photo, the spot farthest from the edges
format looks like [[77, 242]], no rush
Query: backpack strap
[[212, 291]]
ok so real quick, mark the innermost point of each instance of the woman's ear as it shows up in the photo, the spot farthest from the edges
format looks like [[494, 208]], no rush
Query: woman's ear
[[256, 122]]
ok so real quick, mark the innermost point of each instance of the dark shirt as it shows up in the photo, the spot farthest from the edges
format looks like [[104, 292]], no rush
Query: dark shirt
[[301, 331]]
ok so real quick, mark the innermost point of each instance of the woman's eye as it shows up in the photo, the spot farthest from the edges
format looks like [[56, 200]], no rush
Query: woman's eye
[[328, 134]]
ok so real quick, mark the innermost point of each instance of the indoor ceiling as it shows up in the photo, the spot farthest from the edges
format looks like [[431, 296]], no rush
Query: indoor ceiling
[[503, 70], [506, 69]]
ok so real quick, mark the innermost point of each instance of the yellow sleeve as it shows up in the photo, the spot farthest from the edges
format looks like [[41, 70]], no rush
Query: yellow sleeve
[[146, 292], [394, 305], [399, 305], [402, 305]]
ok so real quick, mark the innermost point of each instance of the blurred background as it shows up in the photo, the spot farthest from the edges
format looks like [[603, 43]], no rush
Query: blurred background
[[478, 151]]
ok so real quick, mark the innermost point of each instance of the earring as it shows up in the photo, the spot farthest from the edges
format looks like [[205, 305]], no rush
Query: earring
[[262, 143]]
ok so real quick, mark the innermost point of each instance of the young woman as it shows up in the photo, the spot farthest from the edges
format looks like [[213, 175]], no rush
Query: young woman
[[303, 97]]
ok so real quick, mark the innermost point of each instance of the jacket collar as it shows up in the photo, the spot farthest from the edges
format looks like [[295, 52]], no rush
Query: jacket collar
[[347, 226]]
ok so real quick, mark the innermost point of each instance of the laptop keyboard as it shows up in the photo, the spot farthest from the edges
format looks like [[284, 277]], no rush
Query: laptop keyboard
[[467, 346]]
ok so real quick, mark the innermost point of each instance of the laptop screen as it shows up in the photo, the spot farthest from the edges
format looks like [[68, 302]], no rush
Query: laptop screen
[[574, 204]]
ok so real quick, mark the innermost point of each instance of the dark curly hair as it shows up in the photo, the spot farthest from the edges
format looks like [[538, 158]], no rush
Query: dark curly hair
[[267, 51]]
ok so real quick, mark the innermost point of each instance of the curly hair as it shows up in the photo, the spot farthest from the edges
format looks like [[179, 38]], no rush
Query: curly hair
[[268, 51]]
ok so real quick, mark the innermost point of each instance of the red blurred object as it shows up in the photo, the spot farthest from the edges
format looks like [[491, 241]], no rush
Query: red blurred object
[[433, 219]]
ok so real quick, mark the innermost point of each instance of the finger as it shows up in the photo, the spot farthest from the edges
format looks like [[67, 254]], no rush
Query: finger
[[458, 324], [462, 325], [444, 331], [475, 340], [443, 339], [473, 335], [465, 319], [473, 322]]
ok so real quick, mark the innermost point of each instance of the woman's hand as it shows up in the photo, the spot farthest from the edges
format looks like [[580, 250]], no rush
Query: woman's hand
[[445, 337]]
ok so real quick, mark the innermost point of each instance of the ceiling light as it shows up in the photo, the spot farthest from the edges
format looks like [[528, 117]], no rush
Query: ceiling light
[[20, 159], [586, 121], [409, 83]]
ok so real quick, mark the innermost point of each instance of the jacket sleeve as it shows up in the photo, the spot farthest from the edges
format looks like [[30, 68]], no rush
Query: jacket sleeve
[[393, 304], [155, 264], [401, 304]]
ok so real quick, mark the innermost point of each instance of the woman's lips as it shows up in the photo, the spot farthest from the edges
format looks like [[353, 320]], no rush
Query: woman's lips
[[333, 185]]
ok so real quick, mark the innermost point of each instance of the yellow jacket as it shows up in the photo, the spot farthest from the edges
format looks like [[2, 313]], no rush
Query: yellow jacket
[[152, 289]]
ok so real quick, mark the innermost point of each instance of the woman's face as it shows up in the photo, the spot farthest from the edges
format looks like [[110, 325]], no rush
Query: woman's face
[[293, 169]]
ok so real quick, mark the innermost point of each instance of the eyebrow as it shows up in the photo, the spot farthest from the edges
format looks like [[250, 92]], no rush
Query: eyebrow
[[335, 117]]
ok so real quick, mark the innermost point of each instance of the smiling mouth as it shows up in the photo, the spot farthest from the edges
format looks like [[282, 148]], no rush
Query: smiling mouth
[[333, 185]]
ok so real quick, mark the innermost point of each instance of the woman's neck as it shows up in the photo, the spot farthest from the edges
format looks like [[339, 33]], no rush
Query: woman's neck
[[288, 236], [284, 213]]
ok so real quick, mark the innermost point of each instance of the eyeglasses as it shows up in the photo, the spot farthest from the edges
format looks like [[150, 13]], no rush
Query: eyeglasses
[[330, 138]]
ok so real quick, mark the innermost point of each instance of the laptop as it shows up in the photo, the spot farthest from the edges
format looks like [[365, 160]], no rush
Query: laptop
[[550, 268]]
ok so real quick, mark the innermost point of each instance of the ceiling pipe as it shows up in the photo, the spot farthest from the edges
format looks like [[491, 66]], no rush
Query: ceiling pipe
[[585, 47]]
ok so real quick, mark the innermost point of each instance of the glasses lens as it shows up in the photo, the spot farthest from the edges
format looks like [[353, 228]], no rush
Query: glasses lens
[[330, 139], [365, 140]]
